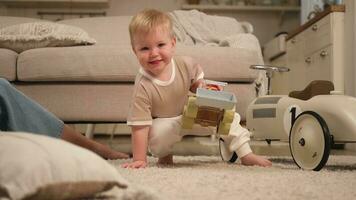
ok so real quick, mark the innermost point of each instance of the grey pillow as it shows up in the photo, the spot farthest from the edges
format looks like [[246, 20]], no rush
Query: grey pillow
[[39, 167], [32, 35]]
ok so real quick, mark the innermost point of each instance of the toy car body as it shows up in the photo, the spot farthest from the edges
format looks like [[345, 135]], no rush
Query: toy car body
[[311, 126], [273, 120]]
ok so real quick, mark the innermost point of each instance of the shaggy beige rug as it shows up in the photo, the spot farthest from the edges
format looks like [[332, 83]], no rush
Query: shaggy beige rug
[[208, 178]]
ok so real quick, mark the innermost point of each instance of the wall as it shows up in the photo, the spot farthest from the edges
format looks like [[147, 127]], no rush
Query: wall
[[350, 58], [309, 6], [350, 44], [266, 23], [352, 64]]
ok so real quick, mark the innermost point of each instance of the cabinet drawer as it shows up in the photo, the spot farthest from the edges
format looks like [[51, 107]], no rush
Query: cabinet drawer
[[318, 35], [319, 65], [294, 42]]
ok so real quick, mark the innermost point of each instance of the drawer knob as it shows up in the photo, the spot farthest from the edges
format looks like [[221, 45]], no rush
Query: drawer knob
[[315, 27], [323, 53], [308, 60]]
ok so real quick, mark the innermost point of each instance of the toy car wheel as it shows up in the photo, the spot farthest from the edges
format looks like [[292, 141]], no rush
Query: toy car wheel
[[225, 153], [224, 128], [187, 122], [228, 116], [310, 141], [192, 108]]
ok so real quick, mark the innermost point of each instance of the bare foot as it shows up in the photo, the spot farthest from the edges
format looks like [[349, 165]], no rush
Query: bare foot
[[253, 159], [167, 160]]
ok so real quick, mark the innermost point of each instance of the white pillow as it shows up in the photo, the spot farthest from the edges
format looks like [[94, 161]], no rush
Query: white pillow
[[32, 35], [39, 167]]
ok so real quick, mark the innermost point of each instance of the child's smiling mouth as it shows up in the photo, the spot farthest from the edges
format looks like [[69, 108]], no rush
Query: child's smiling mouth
[[154, 62]]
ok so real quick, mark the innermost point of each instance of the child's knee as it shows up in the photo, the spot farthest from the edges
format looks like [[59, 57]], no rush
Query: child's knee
[[162, 145], [160, 148]]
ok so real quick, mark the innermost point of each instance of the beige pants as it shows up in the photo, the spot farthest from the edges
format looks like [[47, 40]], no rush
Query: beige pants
[[165, 132]]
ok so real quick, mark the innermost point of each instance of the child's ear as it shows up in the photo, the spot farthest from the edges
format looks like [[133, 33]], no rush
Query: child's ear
[[174, 41]]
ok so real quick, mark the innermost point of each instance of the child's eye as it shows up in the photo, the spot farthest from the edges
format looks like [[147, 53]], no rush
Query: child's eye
[[161, 44], [144, 49]]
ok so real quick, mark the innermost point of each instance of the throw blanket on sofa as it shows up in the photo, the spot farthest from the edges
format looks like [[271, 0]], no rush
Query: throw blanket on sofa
[[194, 27], [197, 28]]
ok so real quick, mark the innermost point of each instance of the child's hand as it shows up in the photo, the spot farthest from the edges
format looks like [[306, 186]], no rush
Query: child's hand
[[201, 83], [198, 84], [135, 164]]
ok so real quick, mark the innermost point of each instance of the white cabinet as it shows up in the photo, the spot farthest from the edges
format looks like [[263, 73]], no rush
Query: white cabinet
[[315, 51]]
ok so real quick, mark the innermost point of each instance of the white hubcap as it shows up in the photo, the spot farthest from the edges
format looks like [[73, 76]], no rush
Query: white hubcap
[[307, 142]]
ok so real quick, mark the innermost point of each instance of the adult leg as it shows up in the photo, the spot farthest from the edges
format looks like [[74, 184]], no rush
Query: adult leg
[[20, 113]]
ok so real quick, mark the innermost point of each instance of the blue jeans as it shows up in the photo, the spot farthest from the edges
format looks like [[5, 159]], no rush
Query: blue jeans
[[20, 113]]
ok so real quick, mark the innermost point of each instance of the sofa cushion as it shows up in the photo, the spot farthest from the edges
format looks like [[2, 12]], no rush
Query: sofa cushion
[[90, 63], [21, 37], [118, 63], [8, 64]]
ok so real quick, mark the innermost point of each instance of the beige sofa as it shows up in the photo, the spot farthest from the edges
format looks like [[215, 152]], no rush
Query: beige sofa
[[94, 83]]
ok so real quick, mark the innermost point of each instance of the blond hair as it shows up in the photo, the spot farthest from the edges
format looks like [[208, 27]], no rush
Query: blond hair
[[146, 20]]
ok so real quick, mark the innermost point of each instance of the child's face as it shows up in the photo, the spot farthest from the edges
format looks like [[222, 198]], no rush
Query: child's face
[[154, 50]]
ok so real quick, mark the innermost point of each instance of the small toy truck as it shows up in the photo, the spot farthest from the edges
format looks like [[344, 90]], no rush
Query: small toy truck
[[211, 106]]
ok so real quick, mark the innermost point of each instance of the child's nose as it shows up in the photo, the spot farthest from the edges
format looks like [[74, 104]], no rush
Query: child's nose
[[154, 51]]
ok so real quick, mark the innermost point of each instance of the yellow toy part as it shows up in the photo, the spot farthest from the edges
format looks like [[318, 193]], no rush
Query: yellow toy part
[[228, 116], [224, 128], [191, 109], [187, 122]]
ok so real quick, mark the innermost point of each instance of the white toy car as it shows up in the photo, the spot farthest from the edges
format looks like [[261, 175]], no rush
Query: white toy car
[[311, 120]]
